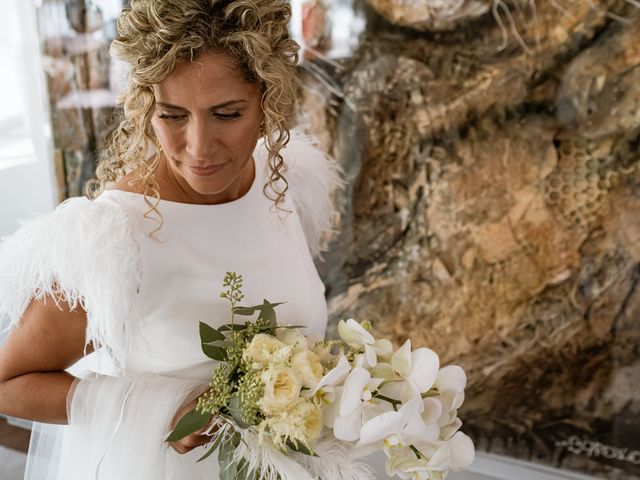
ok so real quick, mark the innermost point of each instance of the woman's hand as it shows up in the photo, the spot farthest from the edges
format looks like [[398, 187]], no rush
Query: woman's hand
[[195, 439]]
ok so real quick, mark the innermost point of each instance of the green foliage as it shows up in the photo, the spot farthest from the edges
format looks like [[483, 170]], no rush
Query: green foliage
[[214, 446], [188, 424], [236, 387], [300, 447]]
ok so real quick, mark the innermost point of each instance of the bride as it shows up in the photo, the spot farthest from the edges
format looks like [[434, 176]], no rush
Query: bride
[[201, 177]]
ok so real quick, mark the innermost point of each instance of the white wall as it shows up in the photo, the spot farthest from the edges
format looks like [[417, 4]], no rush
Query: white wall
[[26, 168]]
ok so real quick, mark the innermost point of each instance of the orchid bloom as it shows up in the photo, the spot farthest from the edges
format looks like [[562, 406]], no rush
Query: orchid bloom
[[450, 382], [454, 454], [324, 392], [417, 369], [355, 404], [356, 336], [403, 427]]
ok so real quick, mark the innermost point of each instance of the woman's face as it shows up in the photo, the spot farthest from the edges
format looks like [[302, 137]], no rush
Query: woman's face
[[207, 120]]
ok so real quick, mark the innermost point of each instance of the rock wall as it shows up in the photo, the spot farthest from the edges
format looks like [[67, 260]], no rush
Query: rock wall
[[492, 211]]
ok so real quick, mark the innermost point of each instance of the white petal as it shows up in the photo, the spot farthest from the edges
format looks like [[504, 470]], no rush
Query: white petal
[[425, 364], [401, 360], [336, 375], [370, 355], [380, 427], [392, 390], [441, 458], [347, 428], [447, 431], [462, 451], [383, 347], [411, 409], [457, 401], [451, 379], [353, 387], [354, 334], [409, 392], [331, 412], [383, 370], [432, 410]]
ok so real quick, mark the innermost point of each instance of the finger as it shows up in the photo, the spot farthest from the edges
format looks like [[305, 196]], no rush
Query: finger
[[193, 441]]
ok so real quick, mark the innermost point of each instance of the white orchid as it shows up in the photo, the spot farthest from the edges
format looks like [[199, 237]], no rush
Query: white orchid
[[401, 428], [324, 391], [435, 458], [356, 336], [412, 373], [450, 382], [356, 404]]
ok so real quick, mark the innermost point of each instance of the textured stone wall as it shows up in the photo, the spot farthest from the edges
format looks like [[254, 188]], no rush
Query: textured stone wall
[[492, 211]]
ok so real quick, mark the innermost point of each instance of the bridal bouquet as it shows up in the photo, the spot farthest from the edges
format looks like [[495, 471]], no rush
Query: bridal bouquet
[[288, 407]]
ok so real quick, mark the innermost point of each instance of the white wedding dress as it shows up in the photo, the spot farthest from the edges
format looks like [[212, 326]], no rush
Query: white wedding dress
[[145, 295]]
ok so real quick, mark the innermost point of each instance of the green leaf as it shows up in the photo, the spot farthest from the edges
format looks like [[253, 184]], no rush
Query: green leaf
[[209, 334], [247, 311], [188, 424], [291, 326], [215, 353], [235, 408], [214, 446], [236, 327], [300, 447], [219, 343], [230, 470]]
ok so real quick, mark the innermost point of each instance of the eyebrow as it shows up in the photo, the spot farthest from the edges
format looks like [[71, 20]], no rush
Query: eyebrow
[[215, 107]]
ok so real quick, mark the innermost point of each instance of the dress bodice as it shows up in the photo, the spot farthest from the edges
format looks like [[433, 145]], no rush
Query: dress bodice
[[184, 262]]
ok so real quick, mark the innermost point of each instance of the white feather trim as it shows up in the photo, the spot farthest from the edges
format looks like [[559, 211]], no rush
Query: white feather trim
[[334, 462], [263, 457], [312, 177], [84, 253]]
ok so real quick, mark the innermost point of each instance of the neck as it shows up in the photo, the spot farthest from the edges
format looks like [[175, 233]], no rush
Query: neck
[[175, 189]]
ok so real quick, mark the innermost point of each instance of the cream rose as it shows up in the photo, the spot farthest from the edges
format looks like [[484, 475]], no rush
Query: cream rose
[[266, 349], [311, 418], [307, 365], [281, 389], [293, 338]]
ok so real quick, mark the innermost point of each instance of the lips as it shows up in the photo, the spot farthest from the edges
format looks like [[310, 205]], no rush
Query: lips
[[208, 170]]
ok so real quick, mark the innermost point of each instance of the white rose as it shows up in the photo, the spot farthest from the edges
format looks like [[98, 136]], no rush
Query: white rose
[[265, 349], [281, 389], [307, 365], [311, 418], [293, 338]]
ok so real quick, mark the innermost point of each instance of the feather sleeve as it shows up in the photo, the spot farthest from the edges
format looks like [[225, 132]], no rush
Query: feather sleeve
[[312, 179], [83, 253]]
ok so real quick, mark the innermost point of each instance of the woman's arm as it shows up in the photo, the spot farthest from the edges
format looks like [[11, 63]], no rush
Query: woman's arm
[[33, 383]]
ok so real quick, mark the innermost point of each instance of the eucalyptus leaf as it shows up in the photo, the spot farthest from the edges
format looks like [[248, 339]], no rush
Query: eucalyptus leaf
[[228, 467], [300, 447], [247, 311], [214, 446], [209, 334], [188, 424], [219, 343], [235, 408], [236, 327], [215, 353]]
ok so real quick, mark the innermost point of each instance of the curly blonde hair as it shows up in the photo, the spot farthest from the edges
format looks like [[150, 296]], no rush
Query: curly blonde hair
[[153, 35]]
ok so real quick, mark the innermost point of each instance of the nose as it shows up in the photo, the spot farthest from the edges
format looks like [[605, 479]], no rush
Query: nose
[[202, 140]]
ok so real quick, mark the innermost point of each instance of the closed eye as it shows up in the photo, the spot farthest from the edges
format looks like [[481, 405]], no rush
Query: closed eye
[[166, 116], [227, 116]]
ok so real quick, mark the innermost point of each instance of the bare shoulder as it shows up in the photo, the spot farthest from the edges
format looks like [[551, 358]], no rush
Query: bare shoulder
[[129, 183]]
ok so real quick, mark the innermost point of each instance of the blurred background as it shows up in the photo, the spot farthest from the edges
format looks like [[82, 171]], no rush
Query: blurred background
[[491, 149]]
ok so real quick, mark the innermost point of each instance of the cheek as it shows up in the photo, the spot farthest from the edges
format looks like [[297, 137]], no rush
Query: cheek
[[168, 138]]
